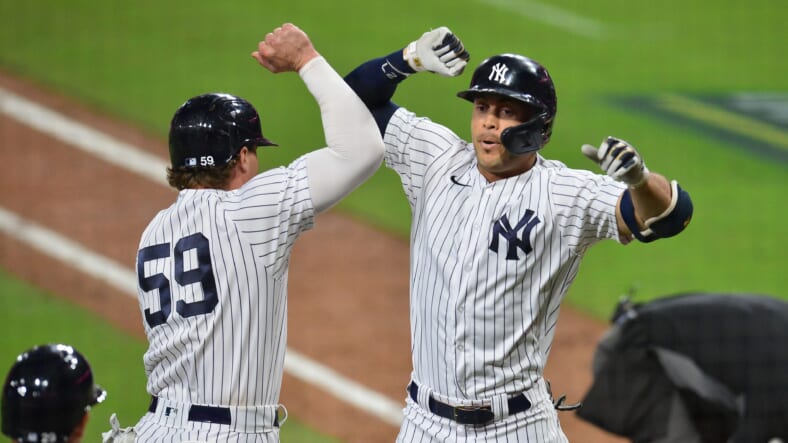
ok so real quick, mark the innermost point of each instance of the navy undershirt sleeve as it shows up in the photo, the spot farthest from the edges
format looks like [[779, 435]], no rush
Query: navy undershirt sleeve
[[376, 81]]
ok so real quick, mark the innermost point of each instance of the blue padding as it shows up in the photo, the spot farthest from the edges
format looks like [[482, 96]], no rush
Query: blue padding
[[667, 226], [628, 214], [678, 219]]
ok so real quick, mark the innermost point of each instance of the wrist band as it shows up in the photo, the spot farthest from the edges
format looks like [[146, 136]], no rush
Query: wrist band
[[395, 67]]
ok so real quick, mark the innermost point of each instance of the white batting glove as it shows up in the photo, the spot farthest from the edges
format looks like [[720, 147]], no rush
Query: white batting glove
[[438, 51], [619, 160]]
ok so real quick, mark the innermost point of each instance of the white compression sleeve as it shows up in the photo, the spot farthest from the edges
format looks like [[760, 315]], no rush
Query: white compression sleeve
[[354, 146]]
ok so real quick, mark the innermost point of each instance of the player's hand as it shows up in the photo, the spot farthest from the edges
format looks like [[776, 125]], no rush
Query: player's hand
[[286, 48], [619, 160], [438, 51]]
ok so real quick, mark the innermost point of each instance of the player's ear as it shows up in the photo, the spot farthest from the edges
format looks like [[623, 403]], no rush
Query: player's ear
[[247, 158]]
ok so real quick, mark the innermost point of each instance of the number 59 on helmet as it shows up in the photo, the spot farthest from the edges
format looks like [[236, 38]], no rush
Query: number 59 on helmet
[[210, 129]]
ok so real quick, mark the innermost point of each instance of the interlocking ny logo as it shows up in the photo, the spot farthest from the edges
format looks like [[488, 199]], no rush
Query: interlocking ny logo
[[502, 228], [498, 73]]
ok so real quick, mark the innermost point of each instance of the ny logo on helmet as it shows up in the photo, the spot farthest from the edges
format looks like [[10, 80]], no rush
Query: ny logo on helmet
[[498, 73]]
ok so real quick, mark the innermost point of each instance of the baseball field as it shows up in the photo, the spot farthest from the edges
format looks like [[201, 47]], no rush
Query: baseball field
[[87, 90]]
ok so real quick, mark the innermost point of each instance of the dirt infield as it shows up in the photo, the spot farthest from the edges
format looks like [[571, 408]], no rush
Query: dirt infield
[[348, 282]]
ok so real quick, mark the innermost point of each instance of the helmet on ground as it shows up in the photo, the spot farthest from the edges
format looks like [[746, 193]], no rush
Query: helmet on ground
[[210, 129], [523, 79], [46, 394]]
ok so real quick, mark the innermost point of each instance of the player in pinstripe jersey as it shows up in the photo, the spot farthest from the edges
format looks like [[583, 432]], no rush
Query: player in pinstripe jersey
[[497, 236], [213, 267]]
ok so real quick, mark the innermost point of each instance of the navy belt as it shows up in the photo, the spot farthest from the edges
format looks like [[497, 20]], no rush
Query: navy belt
[[469, 415], [205, 414]]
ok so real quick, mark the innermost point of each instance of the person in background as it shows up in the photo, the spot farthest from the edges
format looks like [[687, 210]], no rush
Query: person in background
[[693, 367], [48, 394]]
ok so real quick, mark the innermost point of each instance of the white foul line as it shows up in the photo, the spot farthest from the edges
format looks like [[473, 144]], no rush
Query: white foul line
[[59, 247], [102, 268], [82, 137], [553, 16]]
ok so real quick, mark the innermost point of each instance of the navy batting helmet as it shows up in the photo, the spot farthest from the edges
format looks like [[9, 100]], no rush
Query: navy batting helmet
[[525, 80], [210, 129], [47, 392]]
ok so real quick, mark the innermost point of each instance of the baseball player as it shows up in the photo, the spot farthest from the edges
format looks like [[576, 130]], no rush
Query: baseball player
[[497, 236], [212, 268], [693, 367], [48, 394]]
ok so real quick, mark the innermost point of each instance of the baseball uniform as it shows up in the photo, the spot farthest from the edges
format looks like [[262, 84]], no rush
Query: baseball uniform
[[213, 270], [491, 263], [497, 236]]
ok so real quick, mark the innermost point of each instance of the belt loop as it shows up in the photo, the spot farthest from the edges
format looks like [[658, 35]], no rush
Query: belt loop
[[277, 421], [423, 397], [500, 406], [154, 402]]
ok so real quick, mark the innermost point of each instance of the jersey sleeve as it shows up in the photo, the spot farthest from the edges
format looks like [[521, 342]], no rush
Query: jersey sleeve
[[354, 147], [412, 143], [585, 206]]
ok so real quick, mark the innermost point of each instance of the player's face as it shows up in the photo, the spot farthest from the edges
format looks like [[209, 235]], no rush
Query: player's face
[[491, 115]]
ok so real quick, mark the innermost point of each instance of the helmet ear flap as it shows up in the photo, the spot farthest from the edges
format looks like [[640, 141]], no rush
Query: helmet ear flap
[[525, 137]]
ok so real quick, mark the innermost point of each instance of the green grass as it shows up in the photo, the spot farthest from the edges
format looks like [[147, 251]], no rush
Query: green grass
[[32, 317]]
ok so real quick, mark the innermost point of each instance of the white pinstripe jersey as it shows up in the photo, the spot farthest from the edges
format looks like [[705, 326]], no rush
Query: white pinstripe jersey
[[213, 288], [490, 262]]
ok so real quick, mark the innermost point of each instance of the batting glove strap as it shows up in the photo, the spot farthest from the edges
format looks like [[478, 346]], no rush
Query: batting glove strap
[[670, 222], [438, 51]]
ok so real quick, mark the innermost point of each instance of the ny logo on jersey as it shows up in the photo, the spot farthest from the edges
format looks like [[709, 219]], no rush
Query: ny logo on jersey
[[502, 228], [498, 73]]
